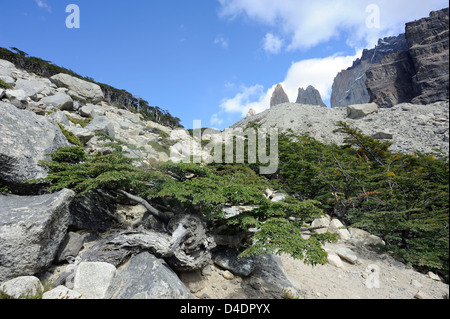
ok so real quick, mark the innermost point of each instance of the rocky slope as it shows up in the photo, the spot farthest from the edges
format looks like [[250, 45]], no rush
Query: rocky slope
[[409, 127], [349, 86]]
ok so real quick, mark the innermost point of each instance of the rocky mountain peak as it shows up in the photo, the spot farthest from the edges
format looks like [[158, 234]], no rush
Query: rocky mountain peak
[[310, 96], [279, 96]]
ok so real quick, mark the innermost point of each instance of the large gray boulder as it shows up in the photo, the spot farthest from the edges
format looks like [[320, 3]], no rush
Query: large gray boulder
[[90, 91], [6, 68], [61, 101], [102, 124], [31, 231], [147, 277], [34, 87], [25, 139], [361, 110], [22, 287], [93, 279]]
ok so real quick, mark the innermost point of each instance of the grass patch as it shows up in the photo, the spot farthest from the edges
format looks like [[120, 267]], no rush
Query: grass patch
[[160, 147], [4, 85], [83, 122], [70, 136]]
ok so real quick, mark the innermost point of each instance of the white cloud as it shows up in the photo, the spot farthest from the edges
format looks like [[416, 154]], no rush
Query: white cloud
[[43, 4], [220, 40], [272, 43], [305, 24], [319, 73], [216, 120], [248, 97]]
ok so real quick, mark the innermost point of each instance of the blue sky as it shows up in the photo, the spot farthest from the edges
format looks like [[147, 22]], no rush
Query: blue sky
[[208, 60]]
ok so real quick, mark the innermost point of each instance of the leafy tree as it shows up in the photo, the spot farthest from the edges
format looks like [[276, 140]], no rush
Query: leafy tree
[[403, 198], [193, 188]]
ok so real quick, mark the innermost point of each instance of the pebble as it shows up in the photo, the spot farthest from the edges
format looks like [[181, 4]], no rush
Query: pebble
[[421, 295], [228, 275]]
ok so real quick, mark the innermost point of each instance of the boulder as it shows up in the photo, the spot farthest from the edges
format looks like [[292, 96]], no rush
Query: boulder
[[22, 287], [279, 96], [278, 197], [33, 87], [16, 94], [70, 247], [60, 117], [31, 230], [323, 222], [347, 254], [90, 91], [6, 68], [7, 79], [61, 292], [147, 277], [335, 260], [91, 110], [228, 259], [61, 101], [92, 279], [96, 211], [25, 140], [338, 228], [383, 136], [361, 238], [361, 110], [102, 124]]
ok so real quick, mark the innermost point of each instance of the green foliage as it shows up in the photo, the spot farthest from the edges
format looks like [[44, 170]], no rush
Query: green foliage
[[160, 147], [4, 85], [401, 198], [72, 168], [83, 122], [196, 188], [31, 294], [70, 136]]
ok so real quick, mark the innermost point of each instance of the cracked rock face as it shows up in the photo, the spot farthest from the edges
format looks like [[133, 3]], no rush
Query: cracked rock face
[[349, 86], [428, 41]]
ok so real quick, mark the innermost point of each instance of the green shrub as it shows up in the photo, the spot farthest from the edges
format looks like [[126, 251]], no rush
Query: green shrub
[[70, 136], [83, 122]]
